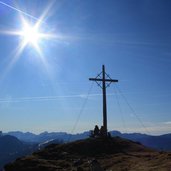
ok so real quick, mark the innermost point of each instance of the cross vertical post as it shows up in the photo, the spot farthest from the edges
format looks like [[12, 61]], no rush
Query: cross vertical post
[[105, 79], [104, 101]]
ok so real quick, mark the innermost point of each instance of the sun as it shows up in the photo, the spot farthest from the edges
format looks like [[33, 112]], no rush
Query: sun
[[30, 34], [34, 32]]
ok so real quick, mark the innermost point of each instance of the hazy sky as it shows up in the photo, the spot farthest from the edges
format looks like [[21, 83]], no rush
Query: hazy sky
[[46, 92]]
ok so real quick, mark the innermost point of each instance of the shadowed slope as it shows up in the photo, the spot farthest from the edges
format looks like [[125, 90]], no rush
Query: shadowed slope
[[115, 153], [11, 148]]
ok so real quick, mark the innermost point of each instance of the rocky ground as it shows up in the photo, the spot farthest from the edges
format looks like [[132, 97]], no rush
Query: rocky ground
[[112, 154]]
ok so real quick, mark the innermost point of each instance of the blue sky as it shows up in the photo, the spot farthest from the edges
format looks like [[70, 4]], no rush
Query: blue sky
[[132, 38]]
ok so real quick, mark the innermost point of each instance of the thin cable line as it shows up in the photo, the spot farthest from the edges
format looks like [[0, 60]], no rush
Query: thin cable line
[[81, 111], [121, 112], [133, 111]]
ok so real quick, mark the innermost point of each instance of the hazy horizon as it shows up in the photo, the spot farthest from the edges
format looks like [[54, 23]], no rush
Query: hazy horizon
[[80, 132]]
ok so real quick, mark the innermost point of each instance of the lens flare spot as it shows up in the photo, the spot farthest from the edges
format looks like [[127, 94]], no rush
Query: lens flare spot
[[30, 34]]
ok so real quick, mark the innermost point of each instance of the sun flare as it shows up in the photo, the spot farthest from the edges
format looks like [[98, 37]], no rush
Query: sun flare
[[30, 34]]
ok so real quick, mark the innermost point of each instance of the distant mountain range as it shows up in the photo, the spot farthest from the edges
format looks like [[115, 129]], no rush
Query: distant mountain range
[[162, 142], [46, 136], [12, 148]]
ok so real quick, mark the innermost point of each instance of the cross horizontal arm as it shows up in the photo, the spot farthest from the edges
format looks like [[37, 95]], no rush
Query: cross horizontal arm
[[99, 79]]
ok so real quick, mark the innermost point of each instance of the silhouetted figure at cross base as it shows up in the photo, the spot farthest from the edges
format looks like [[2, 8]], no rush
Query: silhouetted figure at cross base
[[99, 132], [96, 131]]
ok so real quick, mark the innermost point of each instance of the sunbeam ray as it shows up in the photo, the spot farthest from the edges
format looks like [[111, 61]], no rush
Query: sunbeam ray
[[30, 34], [18, 10]]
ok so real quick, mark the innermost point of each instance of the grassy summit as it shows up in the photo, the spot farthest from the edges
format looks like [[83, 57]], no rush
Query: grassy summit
[[114, 154]]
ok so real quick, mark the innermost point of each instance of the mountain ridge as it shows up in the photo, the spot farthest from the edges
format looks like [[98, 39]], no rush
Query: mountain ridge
[[12, 148], [110, 153], [162, 142]]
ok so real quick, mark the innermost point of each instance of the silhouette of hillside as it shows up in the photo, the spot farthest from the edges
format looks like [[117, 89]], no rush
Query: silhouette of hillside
[[112, 154], [11, 148], [46, 136], [162, 142]]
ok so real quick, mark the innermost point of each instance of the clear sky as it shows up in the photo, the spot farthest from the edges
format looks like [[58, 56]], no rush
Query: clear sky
[[45, 91]]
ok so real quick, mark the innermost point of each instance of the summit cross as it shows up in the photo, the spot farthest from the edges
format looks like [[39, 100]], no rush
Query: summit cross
[[106, 81]]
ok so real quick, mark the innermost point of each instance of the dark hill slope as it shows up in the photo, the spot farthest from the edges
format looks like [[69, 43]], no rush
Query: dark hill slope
[[11, 148], [112, 154], [9, 144]]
